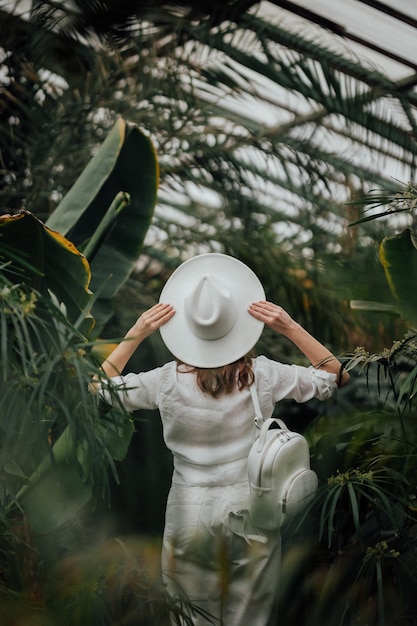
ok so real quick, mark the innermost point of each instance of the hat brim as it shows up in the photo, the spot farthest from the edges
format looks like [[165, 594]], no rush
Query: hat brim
[[244, 287]]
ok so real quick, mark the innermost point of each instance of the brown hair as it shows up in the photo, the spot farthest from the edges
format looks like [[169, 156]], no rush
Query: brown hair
[[217, 380]]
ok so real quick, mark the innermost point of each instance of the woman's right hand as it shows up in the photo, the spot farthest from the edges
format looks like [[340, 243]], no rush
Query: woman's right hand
[[145, 325], [151, 320]]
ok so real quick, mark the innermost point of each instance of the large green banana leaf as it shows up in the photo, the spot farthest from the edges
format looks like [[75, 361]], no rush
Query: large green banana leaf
[[106, 213], [37, 256], [399, 259], [59, 488], [47, 261], [126, 162]]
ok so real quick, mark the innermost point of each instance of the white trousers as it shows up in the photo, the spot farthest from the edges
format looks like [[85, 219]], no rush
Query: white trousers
[[213, 558]]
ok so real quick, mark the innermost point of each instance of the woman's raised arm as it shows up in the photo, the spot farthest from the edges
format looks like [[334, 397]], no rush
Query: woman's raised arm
[[145, 325], [281, 322]]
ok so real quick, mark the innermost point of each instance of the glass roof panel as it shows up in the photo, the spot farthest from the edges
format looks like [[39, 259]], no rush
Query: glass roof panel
[[382, 35]]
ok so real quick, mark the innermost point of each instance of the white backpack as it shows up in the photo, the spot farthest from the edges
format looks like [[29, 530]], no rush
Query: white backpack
[[281, 480]]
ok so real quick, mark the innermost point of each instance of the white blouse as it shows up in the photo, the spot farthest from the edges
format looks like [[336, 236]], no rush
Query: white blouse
[[210, 438]]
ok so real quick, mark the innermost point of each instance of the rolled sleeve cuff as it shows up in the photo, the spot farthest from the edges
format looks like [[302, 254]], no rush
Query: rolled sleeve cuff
[[326, 382]]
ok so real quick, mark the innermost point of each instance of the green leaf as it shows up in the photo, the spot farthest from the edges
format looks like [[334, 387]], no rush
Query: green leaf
[[399, 259], [50, 263], [59, 487], [375, 216], [335, 495], [120, 202], [12, 474], [56, 491], [116, 436], [55, 498], [355, 507], [126, 162], [377, 307], [408, 388]]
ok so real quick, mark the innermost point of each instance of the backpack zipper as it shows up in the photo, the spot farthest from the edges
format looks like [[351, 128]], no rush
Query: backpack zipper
[[285, 436]]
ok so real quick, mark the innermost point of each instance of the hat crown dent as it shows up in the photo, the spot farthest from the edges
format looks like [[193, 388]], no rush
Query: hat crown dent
[[209, 308]]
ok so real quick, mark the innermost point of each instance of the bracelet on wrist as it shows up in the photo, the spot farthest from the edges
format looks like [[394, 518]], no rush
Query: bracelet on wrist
[[324, 361]]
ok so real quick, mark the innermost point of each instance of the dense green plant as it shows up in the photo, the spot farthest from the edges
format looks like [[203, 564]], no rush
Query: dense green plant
[[46, 387], [359, 538], [58, 445], [193, 77], [352, 556], [279, 210]]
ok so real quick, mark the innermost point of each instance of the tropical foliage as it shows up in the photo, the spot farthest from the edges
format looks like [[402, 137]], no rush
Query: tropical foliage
[[57, 443], [221, 90], [363, 567], [43, 376]]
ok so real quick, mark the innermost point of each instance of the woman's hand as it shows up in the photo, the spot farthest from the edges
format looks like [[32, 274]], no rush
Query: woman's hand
[[145, 325], [319, 356], [151, 320], [273, 316]]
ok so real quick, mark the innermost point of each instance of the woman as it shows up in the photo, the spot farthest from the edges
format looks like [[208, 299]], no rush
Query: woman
[[211, 313]]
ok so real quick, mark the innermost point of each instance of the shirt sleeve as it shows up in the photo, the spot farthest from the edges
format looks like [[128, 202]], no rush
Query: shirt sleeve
[[296, 382], [133, 391]]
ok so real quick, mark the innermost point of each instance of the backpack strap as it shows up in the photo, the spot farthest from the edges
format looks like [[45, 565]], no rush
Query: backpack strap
[[259, 418]]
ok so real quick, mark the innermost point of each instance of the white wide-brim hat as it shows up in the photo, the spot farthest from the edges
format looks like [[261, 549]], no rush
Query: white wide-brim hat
[[211, 294]]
